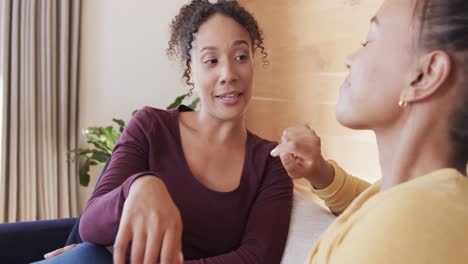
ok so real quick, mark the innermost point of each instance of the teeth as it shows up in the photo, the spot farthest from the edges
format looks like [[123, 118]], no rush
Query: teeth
[[230, 96]]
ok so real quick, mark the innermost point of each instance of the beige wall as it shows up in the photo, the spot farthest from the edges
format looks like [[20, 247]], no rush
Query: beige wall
[[123, 62], [307, 43]]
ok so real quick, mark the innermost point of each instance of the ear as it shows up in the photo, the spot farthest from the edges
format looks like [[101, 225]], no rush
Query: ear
[[432, 73]]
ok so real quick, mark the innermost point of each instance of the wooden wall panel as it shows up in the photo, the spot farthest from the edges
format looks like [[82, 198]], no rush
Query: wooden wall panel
[[307, 42]]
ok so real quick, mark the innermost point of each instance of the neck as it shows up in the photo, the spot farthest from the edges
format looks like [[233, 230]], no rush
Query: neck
[[414, 147], [219, 131]]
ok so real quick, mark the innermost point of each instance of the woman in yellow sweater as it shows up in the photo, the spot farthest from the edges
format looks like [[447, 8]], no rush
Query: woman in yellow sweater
[[409, 84]]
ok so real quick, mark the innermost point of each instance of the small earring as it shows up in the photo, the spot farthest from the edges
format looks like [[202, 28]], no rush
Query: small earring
[[402, 103]]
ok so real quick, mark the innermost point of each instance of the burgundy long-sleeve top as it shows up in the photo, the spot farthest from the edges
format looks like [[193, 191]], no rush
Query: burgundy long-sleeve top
[[247, 225]]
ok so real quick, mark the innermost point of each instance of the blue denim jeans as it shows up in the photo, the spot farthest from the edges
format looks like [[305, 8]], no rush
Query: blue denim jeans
[[83, 253]]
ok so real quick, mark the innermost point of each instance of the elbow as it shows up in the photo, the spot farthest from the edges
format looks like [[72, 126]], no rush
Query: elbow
[[85, 229], [97, 229]]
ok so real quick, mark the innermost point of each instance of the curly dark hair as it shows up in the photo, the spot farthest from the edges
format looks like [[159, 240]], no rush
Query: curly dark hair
[[194, 14]]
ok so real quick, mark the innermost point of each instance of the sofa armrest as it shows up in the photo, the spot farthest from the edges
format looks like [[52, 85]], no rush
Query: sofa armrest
[[25, 242]]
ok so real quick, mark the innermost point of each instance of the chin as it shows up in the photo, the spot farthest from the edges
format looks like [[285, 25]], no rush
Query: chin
[[232, 114], [349, 119], [227, 113]]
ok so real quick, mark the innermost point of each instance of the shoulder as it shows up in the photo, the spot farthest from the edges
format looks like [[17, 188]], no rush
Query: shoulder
[[272, 168], [148, 122], [413, 223], [259, 145], [148, 113], [260, 149], [405, 206], [148, 118], [444, 190]]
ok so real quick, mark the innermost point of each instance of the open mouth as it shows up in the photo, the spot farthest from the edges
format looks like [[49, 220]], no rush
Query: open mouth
[[230, 97]]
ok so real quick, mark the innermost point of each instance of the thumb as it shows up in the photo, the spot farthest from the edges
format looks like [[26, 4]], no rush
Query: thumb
[[290, 164]]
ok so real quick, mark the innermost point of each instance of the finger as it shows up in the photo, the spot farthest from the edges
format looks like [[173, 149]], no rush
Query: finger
[[153, 247], [303, 151], [299, 131], [281, 148], [138, 246], [294, 166], [54, 253], [171, 247], [288, 160], [285, 137], [59, 251], [309, 129], [121, 244]]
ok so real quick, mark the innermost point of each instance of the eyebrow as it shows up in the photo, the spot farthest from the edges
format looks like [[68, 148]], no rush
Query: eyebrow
[[374, 20], [236, 43], [240, 43]]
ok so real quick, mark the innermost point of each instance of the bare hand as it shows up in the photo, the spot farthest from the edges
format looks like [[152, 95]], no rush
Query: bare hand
[[59, 251], [152, 222], [301, 155]]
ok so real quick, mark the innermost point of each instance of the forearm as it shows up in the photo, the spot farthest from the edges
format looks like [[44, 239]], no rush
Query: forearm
[[342, 190], [101, 218]]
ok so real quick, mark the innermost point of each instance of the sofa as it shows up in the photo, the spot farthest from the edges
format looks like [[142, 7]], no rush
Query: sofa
[[26, 242]]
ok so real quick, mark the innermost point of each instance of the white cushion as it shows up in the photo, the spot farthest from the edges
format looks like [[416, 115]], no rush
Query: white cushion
[[308, 221]]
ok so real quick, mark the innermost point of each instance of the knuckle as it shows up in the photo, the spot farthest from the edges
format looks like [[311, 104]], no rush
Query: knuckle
[[294, 144], [167, 259], [176, 225], [318, 141], [119, 246], [288, 131], [137, 258]]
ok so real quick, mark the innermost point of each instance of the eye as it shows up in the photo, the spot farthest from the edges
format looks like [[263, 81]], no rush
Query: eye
[[210, 62], [364, 44], [241, 57]]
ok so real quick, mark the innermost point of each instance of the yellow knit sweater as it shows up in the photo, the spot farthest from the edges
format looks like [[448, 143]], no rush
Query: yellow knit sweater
[[424, 220]]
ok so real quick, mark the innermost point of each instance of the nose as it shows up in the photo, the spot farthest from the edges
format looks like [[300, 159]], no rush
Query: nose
[[228, 74]]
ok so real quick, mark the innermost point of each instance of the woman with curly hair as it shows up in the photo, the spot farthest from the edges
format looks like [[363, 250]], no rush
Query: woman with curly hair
[[194, 185]]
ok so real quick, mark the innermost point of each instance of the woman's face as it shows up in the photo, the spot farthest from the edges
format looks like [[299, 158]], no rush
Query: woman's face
[[380, 70], [222, 67]]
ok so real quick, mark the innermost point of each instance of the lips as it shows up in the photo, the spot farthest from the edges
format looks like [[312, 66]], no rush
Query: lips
[[229, 98], [345, 84], [230, 94]]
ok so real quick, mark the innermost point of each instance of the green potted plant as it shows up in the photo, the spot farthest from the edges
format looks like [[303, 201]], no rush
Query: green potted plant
[[103, 140]]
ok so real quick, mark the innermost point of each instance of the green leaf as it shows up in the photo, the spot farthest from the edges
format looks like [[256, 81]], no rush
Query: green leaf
[[194, 103], [95, 137], [103, 139], [100, 145], [121, 124], [84, 173], [99, 156], [76, 154], [177, 101], [108, 137], [93, 131]]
